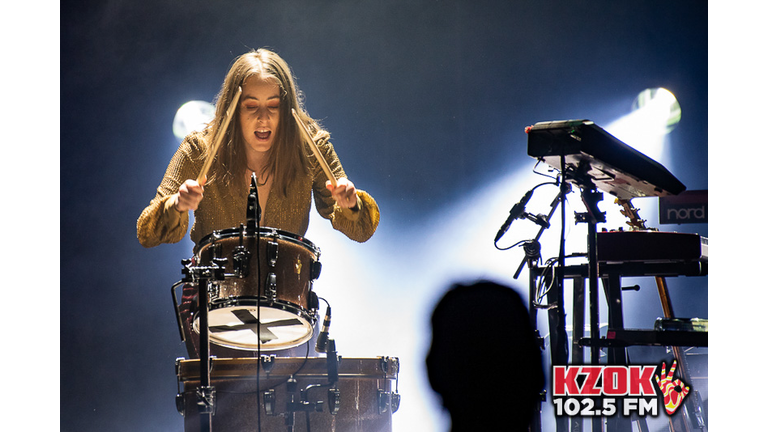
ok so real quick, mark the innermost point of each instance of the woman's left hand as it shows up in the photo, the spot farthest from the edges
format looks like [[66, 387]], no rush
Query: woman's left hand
[[344, 193]]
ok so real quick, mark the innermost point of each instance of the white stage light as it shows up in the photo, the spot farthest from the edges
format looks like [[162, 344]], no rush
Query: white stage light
[[655, 113], [660, 108], [192, 116]]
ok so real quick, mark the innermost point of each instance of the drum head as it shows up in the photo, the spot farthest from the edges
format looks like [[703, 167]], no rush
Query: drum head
[[282, 326]]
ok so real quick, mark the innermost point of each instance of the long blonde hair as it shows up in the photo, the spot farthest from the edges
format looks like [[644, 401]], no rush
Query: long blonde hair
[[288, 156]]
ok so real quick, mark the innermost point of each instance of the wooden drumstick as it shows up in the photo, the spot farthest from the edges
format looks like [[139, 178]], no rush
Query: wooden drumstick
[[220, 135], [320, 159]]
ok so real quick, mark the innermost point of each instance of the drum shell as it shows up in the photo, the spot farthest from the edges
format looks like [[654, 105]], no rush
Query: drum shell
[[293, 266], [365, 386]]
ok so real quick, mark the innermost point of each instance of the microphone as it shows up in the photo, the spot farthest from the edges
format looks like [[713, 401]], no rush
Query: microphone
[[254, 209], [516, 212], [332, 362], [321, 345]]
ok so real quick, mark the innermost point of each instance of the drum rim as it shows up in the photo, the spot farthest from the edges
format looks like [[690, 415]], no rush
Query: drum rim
[[226, 233], [301, 367], [302, 314], [261, 302]]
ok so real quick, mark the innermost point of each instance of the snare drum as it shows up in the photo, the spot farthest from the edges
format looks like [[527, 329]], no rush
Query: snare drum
[[251, 390], [265, 301]]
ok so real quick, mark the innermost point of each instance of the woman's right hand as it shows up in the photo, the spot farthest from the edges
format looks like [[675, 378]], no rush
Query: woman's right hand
[[189, 196]]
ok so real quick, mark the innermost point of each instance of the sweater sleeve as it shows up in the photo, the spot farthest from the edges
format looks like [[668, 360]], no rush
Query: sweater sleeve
[[359, 225], [160, 222]]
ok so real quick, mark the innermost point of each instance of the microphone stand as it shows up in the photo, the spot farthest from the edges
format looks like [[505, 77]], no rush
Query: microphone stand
[[532, 254], [253, 222]]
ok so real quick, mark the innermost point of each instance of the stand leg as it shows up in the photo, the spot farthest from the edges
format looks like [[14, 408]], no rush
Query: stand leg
[[557, 333], [577, 351], [591, 199], [612, 288], [594, 307], [616, 355], [558, 338], [594, 298], [205, 392], [535, 425]]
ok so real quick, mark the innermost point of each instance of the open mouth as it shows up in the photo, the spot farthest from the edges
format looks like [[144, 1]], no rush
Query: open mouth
[[263, 135]]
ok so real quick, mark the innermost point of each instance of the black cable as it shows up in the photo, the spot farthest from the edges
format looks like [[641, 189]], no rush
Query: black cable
[[538, 161], [510, 247]]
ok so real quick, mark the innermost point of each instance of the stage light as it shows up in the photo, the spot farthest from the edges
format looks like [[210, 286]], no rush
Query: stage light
[[192, 116], [655, 113], [661, 108]]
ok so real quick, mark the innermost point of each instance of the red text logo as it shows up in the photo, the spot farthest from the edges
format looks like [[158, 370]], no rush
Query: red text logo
[[603, 381]]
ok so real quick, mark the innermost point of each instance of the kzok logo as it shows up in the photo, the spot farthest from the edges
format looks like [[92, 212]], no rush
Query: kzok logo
[[576, 390], [674, 390]]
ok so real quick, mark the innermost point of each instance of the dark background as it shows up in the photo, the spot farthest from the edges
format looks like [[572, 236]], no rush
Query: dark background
[[426, 102]]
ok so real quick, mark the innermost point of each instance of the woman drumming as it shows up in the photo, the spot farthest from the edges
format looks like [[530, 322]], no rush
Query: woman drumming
[[264, 139]]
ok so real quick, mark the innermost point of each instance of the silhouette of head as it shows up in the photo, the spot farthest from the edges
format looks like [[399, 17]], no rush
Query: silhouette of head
[[484, 360]]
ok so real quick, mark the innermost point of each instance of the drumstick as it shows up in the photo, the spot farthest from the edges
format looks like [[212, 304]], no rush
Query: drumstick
[[219, 135], [313, 146]]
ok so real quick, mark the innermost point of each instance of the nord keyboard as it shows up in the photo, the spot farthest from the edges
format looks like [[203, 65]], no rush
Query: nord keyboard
[[591, 152]]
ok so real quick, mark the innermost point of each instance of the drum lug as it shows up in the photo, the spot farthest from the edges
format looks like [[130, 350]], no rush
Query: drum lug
[[271, 287], [388, 402], [313, 302], [269, 402], [178, 367], [390, 365], [395, 402], [179, 395], [314, 271], [272, 253], [180, 403], [334, 400], [267, 363]]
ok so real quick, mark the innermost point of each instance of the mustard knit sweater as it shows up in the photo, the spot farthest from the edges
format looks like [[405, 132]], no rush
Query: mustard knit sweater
[[223, 208]]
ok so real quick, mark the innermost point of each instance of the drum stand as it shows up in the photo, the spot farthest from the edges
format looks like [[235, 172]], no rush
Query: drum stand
[[206, 393]]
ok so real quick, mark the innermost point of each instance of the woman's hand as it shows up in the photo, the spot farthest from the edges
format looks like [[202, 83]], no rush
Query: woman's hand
[[344, 193], [189, 196]]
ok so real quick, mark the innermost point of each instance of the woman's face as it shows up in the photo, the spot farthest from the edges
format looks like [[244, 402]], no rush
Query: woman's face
[[259, 114]]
